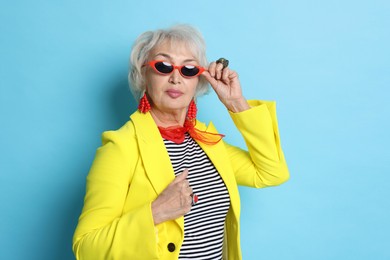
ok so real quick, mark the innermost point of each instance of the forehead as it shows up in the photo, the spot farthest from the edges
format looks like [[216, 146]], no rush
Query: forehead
[[176, 50]]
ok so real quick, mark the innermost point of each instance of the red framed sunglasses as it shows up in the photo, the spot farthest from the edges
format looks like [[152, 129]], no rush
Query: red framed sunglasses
[[166, 68]]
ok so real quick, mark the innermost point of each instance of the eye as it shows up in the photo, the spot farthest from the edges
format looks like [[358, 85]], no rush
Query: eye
[[164, 67], [167, 64], [189, 67], [189, 70]]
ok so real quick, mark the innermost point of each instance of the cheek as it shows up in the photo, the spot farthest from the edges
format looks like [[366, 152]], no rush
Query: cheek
[[193, 84], [152, 82]]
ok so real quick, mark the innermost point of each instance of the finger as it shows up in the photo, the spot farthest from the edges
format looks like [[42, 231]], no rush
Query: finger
[[185, 185], [218, 70], [232, 75], [225, 74], [188, 191], [189, 200], [213, 82], [212, 67], [185, 200], [181, 176]]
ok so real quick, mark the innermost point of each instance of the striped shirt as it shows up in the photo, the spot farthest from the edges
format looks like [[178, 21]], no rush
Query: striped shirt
[[204, 224]]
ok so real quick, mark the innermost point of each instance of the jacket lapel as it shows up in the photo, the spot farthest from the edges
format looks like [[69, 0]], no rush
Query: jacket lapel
[[158, 166], [219, 157], [154, 155]]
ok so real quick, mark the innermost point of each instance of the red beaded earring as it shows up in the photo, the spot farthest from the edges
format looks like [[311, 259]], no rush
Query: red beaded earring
[[192, 110], [144, 105]]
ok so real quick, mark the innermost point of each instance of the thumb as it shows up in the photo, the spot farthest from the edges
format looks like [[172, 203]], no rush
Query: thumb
[[181, 176], [209, 78]]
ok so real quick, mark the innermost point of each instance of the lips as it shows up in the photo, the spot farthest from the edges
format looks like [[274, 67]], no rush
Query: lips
[[174, 93]]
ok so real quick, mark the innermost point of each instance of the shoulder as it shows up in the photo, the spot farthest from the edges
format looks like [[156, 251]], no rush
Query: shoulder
[[123, 139], [123, 134]]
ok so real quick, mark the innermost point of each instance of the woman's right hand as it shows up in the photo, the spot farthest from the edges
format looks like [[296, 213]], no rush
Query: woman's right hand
[[174, 201]]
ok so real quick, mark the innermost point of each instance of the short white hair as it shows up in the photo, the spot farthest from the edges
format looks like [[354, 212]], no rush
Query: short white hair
[[147, 41]]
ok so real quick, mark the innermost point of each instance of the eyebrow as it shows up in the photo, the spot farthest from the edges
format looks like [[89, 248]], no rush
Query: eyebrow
[[169, 57]]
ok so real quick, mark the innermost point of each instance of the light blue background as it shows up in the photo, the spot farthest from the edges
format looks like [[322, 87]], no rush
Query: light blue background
[[63, 71]]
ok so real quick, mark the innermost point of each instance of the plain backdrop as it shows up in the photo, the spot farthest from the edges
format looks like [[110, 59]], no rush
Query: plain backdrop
[[63, 81]]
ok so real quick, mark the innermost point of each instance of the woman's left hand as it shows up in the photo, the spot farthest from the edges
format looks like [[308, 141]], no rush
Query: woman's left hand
[[226, 84]]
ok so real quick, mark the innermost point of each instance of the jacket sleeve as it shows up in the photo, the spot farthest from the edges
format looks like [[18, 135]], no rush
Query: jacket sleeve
[[103, 231], [264, 163]]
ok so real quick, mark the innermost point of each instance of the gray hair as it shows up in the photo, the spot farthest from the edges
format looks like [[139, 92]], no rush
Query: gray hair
[[148, 40]]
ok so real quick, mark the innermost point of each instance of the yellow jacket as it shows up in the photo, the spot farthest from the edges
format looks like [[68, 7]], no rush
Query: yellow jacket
[[132, 168]]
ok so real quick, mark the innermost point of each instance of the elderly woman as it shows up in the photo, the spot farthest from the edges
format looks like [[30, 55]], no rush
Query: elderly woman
[[164, 186]]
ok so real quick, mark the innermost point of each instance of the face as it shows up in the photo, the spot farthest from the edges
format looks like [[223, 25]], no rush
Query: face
[[170, 93]]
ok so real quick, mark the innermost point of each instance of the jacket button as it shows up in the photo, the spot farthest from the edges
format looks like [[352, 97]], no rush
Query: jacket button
[[171, 247]]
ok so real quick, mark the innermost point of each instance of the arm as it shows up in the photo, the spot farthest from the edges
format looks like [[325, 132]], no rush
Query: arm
[[264, 158], [258, 125]]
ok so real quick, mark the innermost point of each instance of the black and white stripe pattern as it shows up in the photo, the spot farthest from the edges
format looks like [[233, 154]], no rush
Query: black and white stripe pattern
[[204, 224]]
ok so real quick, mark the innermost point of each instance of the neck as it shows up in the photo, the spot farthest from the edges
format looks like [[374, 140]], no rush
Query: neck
[[164, 119]]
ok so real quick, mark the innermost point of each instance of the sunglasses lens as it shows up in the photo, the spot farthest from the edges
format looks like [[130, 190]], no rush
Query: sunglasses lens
[[163, 67], [189, 71]]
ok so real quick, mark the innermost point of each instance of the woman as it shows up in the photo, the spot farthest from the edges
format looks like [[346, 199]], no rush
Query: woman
[[164, 186]]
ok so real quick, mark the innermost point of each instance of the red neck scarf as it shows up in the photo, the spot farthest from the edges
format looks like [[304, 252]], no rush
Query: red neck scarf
[[176, 134]]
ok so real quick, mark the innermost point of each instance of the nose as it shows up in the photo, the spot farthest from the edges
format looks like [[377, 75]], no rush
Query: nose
[[175, 76]]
